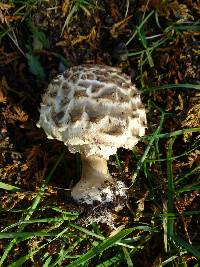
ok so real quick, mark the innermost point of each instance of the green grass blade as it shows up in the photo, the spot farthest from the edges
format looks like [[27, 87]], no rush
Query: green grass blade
[[42, 220], [114, 260], [32, 208], [42, 189], [172, 86], [111, 241], [22, 260], [167, 261], [187, 246], [122, 243], [25, 235], [175, 133], [118, 164], [127, 257], [140, 26], [143, 158], [63, 254], [47, 262], [9, 187], [196, 169], [175, 157], [187, 189], [170, 196]]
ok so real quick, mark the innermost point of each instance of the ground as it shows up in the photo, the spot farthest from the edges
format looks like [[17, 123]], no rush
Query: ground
[[157, 43]]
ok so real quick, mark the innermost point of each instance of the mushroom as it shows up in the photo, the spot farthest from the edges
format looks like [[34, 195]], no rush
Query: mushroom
[[94, 110]]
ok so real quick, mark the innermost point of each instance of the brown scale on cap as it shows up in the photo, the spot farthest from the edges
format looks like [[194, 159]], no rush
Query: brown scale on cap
[[94, 109]]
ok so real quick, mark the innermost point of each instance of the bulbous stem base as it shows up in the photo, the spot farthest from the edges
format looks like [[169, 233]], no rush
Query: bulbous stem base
[[95, 179]]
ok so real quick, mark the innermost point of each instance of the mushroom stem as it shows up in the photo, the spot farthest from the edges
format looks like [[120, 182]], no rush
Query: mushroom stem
[[94, 166], [94, 177]]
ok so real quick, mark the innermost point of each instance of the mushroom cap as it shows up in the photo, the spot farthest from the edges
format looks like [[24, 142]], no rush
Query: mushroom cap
[[93, 109]]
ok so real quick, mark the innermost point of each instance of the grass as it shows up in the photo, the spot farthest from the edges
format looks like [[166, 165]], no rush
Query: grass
[[76, 6], [29, 213], [165, 167]]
